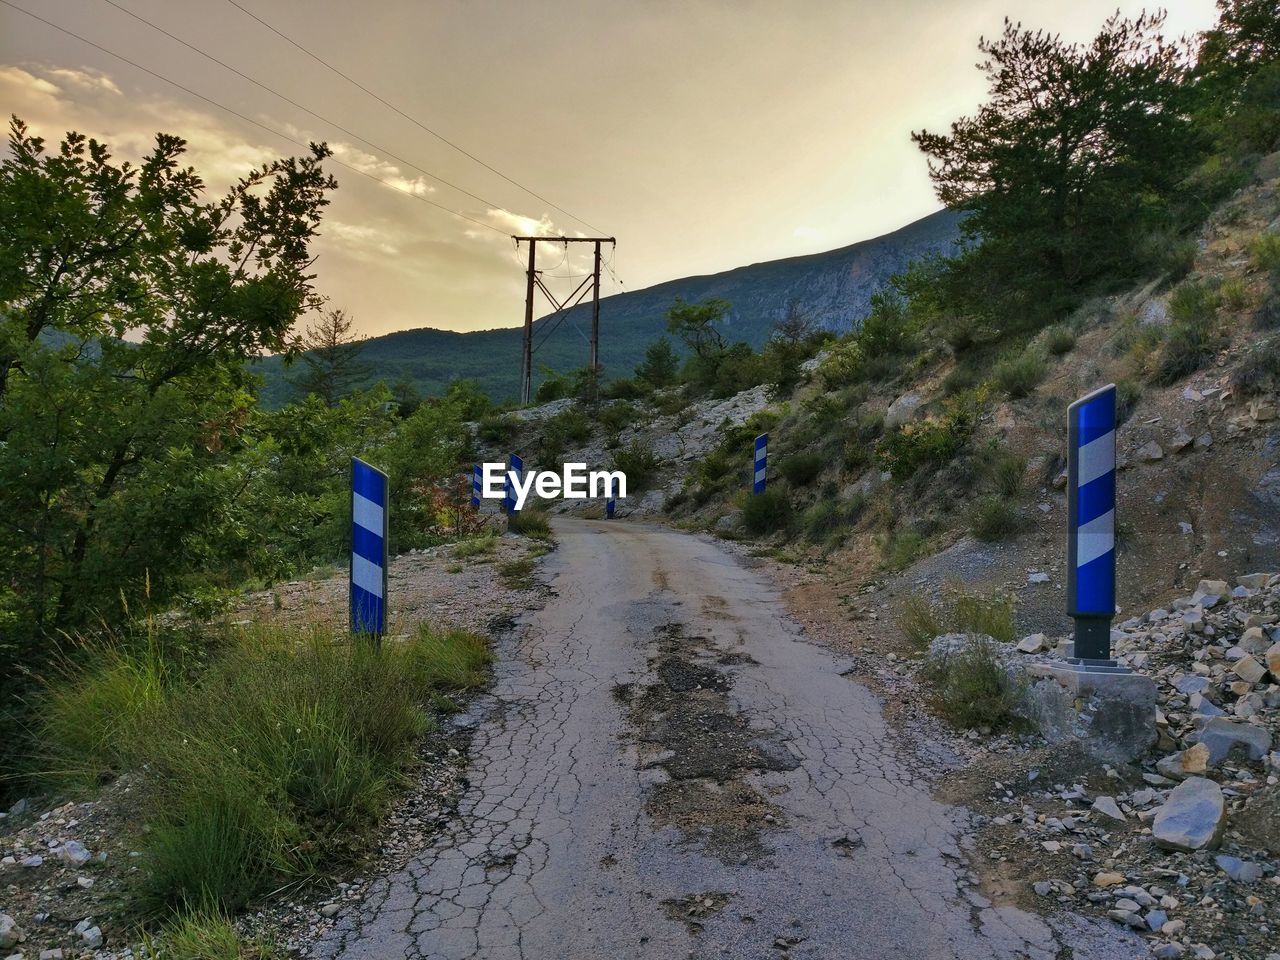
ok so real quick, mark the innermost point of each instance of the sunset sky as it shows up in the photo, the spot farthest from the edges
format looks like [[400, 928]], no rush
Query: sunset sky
[[703, 135]]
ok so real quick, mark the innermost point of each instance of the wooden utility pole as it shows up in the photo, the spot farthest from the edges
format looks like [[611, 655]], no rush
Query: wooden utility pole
[[562, 307], [595, 317], [526, 361]]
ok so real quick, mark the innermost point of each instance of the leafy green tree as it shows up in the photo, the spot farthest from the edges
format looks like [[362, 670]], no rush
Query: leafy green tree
[[1069, 163], [660, 364], [1238, 76], [697, 325], [331, 358], [129, 306]]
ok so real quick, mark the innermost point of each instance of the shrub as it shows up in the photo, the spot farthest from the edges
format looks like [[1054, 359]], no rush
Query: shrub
[[496, 428], [617, 416], [624, 388], [1259, 371], [993, 518], [842, 365], [481, 546], [639, 463], [1190, 345], [932, 442], [1059, 339], [766, 512], [1018, 374], [517, 573], [1005, 470], [826, 519], [1234, 293], [902, 548], [1128, 393], [1265, 252], [530, 522], [919, 620], [801, 469], [286, 740], [972, 688]]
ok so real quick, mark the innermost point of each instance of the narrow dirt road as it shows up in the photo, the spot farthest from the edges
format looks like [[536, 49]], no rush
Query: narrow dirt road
[[666, 768]]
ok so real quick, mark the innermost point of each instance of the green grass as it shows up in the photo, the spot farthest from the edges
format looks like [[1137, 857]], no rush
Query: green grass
[[208, 936], [957, 611], [972, 689], [262, 767]]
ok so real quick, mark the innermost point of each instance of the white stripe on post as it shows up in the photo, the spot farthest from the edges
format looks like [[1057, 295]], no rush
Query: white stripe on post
[[1096, 459], [366, 513]]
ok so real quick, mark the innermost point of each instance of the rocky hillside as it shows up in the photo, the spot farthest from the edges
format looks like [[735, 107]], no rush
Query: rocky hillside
[[832, 287]]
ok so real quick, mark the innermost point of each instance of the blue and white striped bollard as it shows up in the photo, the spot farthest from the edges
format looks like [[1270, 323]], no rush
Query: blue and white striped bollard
[[517, 467], [1091, 522], [476, 486], [368, 574], [762, 455]]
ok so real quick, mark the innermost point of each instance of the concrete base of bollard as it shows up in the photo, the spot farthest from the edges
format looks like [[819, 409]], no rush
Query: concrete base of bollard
[[1110, 709]]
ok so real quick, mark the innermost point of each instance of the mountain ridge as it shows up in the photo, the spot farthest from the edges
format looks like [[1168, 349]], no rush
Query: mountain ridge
[[833, 287]]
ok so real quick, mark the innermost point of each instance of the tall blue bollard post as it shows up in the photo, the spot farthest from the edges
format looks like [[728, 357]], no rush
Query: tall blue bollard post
[[760, 467], [1091, 523], [368, 569]]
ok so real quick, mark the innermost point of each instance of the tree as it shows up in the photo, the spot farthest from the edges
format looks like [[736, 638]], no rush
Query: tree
[[331, 357], [128, 307], [794, 339], [1069, 163], [795, 326], [660, 364], [697, 325], [1238, 76]]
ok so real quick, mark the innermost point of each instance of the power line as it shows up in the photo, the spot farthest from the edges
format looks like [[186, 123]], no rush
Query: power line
[[422, 126], [250, 120], [323, 119]]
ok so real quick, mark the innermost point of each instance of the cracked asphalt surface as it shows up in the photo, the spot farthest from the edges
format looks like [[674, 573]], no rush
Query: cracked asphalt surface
[[561, 848]]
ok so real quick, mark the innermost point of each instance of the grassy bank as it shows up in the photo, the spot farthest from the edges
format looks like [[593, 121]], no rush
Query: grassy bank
[[263, 764]]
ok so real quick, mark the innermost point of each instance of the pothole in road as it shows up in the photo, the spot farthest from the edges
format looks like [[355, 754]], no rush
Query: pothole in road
[[691, 910], [705, 749]]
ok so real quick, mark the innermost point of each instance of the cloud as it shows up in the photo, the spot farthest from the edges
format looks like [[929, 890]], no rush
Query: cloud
[[361, 241], [806, 233], [515, 223], [85, 79]]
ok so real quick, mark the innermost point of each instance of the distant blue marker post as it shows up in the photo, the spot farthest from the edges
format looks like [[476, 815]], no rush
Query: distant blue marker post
[[610, 501], [1091, 524], [476, 486], [516, 467], [761, 458], [369, 509]]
